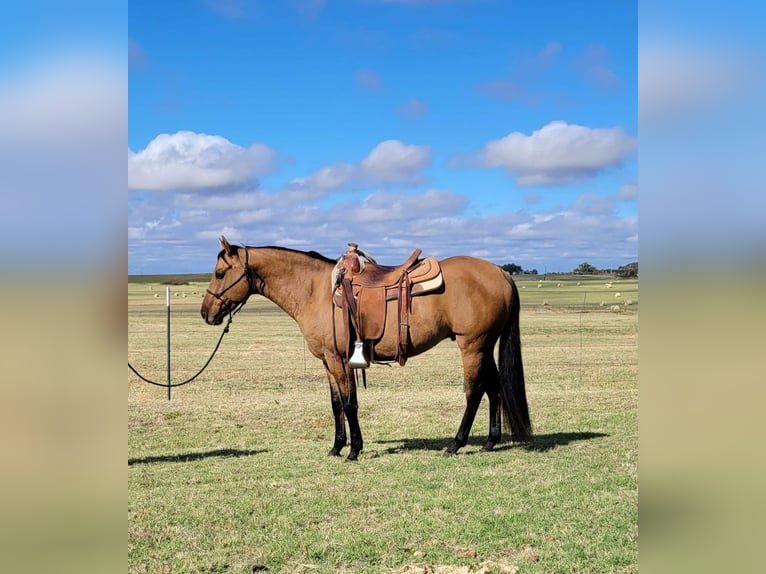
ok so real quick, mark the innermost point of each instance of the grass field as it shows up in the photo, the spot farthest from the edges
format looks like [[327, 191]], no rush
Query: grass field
[[231, 474]]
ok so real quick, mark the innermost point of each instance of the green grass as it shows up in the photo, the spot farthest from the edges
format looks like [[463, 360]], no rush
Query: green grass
[[231, 475]]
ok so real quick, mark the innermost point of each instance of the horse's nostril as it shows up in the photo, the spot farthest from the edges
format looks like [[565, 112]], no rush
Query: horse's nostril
[[204, 315]]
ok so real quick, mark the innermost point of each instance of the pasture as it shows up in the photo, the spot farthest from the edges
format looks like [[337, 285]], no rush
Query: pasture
[[231, 475]]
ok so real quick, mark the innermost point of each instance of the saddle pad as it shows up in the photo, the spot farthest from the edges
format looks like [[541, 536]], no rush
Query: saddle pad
[[426, 270]]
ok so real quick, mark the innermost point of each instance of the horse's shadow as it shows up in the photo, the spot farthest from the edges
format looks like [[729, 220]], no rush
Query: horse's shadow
[[187, 457], [539, 443]]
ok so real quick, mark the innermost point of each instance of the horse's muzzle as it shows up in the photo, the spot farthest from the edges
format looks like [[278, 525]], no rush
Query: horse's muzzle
[[216, 319], [213, 318]]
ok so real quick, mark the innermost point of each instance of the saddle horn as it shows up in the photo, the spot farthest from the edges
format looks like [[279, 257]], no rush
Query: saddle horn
[[353, 247]]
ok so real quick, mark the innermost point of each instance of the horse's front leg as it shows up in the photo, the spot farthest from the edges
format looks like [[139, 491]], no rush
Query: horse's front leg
[[337, 412], [351, 408], [344, 406]]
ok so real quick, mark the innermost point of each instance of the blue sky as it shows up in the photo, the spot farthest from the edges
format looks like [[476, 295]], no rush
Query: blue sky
[[505, 130]]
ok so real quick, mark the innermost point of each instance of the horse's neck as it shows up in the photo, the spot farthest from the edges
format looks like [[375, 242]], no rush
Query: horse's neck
[[291, 279]]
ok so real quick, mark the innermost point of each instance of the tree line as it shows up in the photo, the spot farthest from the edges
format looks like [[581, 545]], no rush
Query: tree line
[[629, 270]]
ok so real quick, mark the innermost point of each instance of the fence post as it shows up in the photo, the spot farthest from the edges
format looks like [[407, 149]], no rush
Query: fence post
[[167, 304]]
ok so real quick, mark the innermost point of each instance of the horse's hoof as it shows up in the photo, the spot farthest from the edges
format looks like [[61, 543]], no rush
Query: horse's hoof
[[334, 452], [489, 447], [448, 453], [351, 458]]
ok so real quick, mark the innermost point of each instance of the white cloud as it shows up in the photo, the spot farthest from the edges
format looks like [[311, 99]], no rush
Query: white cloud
[[389, 162], [557, 153], [390, 224], [392, 161], [187, 161], [324, 180], [385, 206], [221, 202], [231, 233]]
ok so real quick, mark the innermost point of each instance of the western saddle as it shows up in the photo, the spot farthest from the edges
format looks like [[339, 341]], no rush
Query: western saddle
[[363, 290]]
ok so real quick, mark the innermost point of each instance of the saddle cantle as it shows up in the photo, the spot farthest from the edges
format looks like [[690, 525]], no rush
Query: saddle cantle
[[364, 290]]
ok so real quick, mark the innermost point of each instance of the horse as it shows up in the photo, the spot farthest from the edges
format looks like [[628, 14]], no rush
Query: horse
[[477, 305]]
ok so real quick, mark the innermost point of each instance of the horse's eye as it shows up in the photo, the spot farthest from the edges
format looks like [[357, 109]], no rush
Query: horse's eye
[[220, 274]]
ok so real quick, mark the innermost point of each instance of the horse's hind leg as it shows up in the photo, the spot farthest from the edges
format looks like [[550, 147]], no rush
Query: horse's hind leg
[[495, 421], [478, 368]]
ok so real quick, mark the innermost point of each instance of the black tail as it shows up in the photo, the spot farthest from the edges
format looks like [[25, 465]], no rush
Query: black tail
[[512, 392]]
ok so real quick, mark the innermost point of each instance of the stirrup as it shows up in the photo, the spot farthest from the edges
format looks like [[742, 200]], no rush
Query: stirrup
[[358, 360]]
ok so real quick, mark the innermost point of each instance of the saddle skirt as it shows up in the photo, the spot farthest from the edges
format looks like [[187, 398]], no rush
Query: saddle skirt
[[374, 288]]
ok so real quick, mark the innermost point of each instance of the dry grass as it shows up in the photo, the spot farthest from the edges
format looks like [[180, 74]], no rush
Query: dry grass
[[231, 474]]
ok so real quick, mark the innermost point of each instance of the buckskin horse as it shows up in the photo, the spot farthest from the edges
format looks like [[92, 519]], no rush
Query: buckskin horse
[[476, 304]]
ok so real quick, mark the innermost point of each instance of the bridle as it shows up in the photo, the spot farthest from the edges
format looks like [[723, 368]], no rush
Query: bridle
[[251, 277]]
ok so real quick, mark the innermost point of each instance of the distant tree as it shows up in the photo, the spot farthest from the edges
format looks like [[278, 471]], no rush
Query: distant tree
[[512, 268], [585, 269], [531, 272], [629, 270]]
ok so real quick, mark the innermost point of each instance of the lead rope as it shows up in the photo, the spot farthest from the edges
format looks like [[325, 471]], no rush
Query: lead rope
[[190, 379]]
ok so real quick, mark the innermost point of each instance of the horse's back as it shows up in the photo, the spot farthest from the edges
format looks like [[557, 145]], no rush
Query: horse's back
[[476, 294], [474, 301]]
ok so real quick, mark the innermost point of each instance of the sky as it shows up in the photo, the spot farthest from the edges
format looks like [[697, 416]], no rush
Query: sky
[[498, 129]]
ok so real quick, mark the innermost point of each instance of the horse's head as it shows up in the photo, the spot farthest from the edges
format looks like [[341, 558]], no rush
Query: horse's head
[[230, 286]]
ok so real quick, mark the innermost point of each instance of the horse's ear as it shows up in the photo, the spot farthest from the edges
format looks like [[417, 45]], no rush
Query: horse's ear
[[225, 245]]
